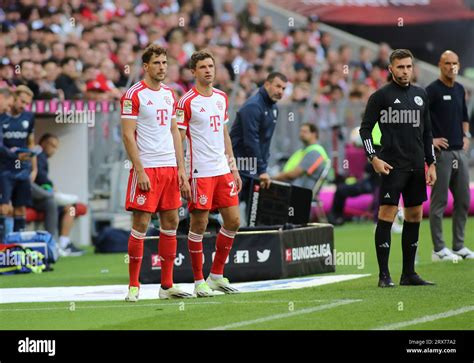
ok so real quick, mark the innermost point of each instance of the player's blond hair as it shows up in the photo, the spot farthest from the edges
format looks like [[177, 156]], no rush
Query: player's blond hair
[[23, 89]]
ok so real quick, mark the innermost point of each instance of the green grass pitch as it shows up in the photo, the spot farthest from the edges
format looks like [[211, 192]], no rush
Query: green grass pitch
[[289, 309]]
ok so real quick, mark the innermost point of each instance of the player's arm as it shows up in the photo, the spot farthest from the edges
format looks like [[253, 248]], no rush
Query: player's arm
[[293, 174], [308, 165], [428, 145], [229, 152], [34, 161], [129, 127], [371, 115], [465, 125], [184, 186]]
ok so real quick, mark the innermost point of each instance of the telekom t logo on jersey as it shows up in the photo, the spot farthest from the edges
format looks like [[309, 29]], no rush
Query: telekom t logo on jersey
[[162, 116], [215, 122]]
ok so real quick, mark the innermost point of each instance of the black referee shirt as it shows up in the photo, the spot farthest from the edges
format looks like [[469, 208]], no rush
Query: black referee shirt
[[448, 112], [404, 119]]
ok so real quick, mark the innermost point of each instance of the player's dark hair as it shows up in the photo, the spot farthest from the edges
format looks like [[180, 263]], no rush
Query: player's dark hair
[[400, 54], [198, 56], [46, 137], [274, 75], [312, 127], [152, 50]]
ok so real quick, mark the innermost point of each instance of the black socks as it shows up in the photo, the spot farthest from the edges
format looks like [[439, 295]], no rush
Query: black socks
[[382, 245], [410, 236]]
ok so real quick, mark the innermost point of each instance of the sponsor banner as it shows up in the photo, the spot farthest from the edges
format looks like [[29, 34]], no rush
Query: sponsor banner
[[255, 255], [308, 250]]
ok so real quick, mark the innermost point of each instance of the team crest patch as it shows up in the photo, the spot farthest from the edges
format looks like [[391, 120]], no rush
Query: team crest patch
[[179, 116], [203, 199], [419, 100], [141, 199], [127, 107], [219, 105], [167, 100], [25, 124]]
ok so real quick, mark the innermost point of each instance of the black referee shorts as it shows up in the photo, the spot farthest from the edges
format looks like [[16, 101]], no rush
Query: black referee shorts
[[411, 184]]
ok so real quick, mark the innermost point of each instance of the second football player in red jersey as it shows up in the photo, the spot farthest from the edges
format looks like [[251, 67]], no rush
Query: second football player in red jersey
[[201, 115]]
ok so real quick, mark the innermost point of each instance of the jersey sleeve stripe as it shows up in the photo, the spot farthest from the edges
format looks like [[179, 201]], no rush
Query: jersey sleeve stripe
[[183, 99], [129, 93]]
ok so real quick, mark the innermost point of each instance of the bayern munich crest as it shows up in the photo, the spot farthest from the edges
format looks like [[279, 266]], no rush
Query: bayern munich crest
[[219, 105], [203, 199], [167, 100], [141, 199]]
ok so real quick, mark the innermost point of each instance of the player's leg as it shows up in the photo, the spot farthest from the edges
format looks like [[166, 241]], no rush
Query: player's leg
[[227, 202], [459, 187], [142, 204], [389, 195], [224, 241], [167, 250], [167, 189], [140, 222], [438, 202], [6, 211], [167, 245], [198, 225], [414, 194], [21, 197]]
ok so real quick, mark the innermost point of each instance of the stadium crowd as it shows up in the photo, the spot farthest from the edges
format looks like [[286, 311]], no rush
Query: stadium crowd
[[89, 50]]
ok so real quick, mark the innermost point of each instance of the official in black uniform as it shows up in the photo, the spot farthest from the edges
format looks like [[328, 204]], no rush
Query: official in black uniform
[[407, 143]]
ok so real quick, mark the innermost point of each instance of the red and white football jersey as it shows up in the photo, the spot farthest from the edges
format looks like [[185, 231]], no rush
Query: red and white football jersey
[[203, 118], [153, 111]]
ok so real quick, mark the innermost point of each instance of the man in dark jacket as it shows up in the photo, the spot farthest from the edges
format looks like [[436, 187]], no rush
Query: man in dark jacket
[[253, 128], [402, 112]]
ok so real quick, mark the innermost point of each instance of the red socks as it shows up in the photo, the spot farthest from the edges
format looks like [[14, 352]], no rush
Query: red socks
[[195, 251], [135, 255], [167, 252], [224, 241]]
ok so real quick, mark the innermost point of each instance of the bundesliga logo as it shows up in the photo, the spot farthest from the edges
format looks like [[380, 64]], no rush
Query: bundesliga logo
[[203, 199], [141, 199]]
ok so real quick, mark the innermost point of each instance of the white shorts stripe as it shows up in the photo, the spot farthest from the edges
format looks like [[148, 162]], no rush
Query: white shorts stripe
[[133, 187]]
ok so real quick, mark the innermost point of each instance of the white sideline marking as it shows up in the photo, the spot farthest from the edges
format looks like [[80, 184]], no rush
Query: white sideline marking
[[125, 305], [150, 291], [285, 315], [427, 318]]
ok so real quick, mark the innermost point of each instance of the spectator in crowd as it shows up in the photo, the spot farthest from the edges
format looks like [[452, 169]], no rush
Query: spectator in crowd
[[59, 215], [27, 74], [47, 85], [67, 80]]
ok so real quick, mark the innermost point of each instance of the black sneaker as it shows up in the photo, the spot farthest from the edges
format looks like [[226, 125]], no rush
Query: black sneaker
[[385, 281], [71, 250], [414, 280]]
